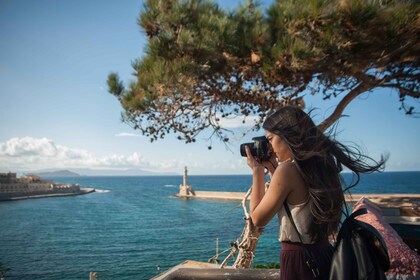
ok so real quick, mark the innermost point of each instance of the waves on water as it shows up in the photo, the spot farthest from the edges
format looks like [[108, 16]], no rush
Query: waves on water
[[102, 191], [170, 186]]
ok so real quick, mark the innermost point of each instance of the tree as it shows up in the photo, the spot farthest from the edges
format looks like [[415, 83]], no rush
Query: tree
[[203, 63]]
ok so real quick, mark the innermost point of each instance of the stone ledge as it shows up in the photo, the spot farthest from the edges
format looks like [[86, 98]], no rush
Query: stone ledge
[[199, 270]]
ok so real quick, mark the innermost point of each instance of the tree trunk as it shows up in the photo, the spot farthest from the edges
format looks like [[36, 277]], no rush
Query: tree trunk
[[247, 243]]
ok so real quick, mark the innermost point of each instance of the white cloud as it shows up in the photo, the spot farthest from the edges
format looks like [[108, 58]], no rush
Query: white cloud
[[125, 134], [27, 153], [238, 122], [25, 146], [37, 153], [233, 121]]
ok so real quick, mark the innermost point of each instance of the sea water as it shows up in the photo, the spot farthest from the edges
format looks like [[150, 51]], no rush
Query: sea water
[[131, 227]]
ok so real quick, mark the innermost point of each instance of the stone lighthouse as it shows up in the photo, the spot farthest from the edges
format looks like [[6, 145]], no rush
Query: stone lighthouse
[[185, 189], [185, 176]]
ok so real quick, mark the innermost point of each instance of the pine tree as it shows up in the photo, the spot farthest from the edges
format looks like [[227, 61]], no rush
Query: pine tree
[[204, 63]]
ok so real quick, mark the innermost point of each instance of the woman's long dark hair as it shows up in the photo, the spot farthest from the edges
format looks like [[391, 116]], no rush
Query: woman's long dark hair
[[319, 159]]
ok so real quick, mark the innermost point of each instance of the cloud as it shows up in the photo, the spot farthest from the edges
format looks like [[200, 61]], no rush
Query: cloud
[[125, 134], [17, 147], [36, 153], [28, 153], [238, 122], [233, 121]]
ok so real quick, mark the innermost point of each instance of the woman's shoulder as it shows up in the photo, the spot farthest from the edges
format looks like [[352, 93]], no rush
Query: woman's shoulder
[[288, 175], [287, 166], [287, 170]]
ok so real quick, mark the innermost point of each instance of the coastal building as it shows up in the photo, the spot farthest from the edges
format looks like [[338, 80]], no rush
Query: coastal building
[[13, 187], [8, 177]]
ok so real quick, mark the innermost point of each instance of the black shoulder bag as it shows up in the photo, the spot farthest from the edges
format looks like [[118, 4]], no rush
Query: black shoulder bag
[[309, 259]]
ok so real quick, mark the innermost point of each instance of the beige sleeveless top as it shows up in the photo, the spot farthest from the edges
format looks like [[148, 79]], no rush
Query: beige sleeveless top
[[302, 216]]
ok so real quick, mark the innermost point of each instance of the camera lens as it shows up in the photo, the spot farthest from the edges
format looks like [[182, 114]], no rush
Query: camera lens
[[259, 148], [243, 151]]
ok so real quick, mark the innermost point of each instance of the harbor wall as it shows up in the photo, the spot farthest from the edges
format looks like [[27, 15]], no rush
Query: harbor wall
[[41, 194]]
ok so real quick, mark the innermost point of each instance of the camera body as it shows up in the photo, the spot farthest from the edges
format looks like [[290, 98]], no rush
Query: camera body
[[260, 148]]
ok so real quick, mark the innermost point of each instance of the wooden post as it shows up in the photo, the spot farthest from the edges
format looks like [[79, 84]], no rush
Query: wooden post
[[217, 250]]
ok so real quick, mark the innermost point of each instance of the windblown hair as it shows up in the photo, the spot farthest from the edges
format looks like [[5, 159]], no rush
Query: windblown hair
[[319, 158]]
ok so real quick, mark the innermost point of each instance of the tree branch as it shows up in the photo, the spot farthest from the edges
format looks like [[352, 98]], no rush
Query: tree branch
[[361, 88]]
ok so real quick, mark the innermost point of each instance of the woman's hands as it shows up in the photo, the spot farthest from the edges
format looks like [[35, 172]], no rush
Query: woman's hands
[[257, 165], [253, 162]]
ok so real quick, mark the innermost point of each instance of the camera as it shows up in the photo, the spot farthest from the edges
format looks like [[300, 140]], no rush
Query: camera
[[260, 148]]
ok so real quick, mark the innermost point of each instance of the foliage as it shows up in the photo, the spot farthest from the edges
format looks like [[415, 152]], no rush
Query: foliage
[[204, 63], [268, 266]]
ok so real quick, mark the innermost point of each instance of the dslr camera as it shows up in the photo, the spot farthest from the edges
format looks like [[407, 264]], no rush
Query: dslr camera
[[260, 148]]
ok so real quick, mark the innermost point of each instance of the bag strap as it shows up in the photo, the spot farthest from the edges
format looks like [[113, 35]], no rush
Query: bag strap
[[289, 214], [359, 212], [309, 258]]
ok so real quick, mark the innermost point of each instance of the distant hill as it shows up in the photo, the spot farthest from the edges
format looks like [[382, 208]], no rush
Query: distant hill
[[58, 173], [72, 172], [120, 172]]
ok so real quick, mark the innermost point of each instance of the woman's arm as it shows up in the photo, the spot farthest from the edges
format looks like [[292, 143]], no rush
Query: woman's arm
[[258, 187], [258, 179], [264, 205]]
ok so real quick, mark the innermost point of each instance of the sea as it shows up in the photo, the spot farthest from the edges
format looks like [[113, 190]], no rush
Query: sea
[[132, 227]]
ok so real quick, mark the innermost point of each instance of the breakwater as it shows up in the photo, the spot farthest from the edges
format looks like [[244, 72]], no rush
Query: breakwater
[[43, 194], [382, 200]]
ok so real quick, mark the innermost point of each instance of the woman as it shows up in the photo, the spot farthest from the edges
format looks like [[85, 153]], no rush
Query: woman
[[305, 174]]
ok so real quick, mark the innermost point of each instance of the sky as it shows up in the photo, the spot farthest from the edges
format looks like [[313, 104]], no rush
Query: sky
[[56, 113]]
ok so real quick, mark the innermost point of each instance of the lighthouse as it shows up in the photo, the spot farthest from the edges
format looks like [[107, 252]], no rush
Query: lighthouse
[[184, 189], [185, 176]]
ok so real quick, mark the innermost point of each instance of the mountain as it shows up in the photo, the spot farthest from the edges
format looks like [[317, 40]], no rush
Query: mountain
[[119, 172], [58, 173], [72, 172]]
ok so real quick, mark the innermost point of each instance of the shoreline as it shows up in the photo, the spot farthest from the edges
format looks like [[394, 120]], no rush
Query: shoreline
[[46, 195]]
